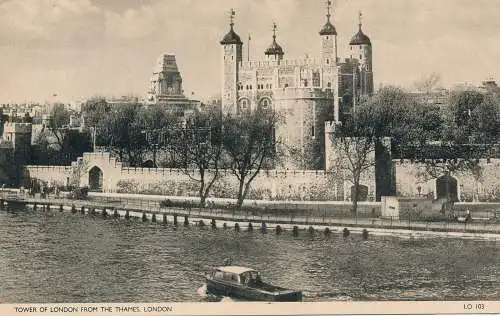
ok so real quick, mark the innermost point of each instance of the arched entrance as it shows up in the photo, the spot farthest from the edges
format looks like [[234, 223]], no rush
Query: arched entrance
[[446, 187], [95, 179], [362, 194]]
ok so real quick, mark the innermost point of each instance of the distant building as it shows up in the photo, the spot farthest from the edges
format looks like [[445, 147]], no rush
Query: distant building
[[166, 88], [438, 97]]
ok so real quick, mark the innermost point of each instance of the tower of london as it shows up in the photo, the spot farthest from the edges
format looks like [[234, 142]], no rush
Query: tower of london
[[304, 92]]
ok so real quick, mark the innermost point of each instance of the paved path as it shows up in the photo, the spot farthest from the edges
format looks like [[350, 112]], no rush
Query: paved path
[[153, 207]]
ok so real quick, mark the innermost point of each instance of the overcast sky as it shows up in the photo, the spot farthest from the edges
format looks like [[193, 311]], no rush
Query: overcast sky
[[80, 48]]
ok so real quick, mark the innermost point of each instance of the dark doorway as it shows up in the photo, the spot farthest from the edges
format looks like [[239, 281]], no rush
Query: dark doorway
[[446, 187], [95, 179], [362, 194], [149, 164]]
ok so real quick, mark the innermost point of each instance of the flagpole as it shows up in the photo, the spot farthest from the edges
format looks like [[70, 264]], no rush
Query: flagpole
[[248, 54]]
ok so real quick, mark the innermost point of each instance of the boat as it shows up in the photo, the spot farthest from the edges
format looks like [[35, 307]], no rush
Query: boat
[[246, 283]]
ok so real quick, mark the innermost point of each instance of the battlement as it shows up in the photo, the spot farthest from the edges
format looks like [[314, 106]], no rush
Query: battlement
[[21, 128], [253, 64]]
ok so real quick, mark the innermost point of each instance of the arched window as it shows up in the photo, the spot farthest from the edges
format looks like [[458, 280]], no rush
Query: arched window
[[265, 103], [243, 106]]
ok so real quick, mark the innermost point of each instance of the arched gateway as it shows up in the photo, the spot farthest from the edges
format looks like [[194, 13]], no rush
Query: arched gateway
[[446, 187], [95, 179]]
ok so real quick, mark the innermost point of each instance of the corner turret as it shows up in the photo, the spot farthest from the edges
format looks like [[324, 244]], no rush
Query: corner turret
[[232, 52]]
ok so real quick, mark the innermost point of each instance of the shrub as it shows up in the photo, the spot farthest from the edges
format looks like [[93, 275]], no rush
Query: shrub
[[79, 193], [166, 203]]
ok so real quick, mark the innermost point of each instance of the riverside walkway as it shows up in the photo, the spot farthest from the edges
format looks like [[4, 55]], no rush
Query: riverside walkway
[[150, 210]]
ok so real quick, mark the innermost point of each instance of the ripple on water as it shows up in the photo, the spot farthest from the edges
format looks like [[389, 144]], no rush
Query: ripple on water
[[63, 257]]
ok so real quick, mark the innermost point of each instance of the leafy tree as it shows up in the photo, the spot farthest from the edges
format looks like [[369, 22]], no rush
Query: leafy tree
[[248, 141], [95, 110], [120, 132], [59, 119], [198, 145], [156, 124]]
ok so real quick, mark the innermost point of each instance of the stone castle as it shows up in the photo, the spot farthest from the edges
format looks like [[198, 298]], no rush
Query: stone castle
[[304, 92], [312, 95]]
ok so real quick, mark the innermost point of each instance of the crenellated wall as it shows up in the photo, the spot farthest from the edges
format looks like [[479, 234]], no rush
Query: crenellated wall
[[268, 184]]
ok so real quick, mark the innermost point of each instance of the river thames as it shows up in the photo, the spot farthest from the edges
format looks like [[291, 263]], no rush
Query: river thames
[[61, 257]]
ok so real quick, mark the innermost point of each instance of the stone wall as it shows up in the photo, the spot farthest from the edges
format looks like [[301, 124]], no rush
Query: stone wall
[[268, 184], [482, 186], [57, 175]]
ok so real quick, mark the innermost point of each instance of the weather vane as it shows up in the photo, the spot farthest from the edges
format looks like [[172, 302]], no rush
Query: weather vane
[[328, 7], [232, 13]]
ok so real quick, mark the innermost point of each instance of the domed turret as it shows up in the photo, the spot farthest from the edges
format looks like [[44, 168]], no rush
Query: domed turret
[[328, 38], [328, 28], [231, 37], [360, 38], [274, 49]]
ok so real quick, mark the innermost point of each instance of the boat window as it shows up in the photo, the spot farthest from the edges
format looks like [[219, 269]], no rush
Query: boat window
[[218, 275], [228, 276]]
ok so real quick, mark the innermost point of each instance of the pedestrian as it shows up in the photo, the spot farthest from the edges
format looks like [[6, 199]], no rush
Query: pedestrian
[[468, 216]]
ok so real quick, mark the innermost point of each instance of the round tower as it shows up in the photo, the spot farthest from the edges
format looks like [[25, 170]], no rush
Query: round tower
[[232, 48], [361, 50]]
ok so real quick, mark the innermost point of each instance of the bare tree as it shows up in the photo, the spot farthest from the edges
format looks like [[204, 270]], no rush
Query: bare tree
[[249, 143], [198, 145], [429, 83], [354, 144], [59, 118]]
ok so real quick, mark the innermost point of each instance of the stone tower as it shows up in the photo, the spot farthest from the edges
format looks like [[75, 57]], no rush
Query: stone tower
[[329, 59], [19, 134], [328, 36], [361, 49], [232, 52], [305, 92], [166, 81]]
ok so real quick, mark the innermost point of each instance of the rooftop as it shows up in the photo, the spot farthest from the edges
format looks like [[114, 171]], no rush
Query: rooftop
[[234, 269]]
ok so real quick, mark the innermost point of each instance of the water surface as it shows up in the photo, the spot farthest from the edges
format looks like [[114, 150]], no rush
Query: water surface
[[62, 257]]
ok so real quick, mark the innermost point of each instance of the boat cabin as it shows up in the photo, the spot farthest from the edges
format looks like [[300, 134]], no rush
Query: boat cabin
[[239, 275]]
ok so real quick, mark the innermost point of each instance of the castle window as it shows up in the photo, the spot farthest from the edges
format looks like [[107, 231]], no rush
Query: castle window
[[327, 37], [312, 131], [270, 86], [250, 87], [286, 85], [329, 85], [360, 56], [327, 61], [232, 57], [305, 83], [265, 103]]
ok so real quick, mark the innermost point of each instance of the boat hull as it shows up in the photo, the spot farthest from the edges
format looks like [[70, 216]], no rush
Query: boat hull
[[219, 288]]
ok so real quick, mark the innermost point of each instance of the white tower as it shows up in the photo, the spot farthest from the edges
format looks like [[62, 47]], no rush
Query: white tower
[[232, 48]]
